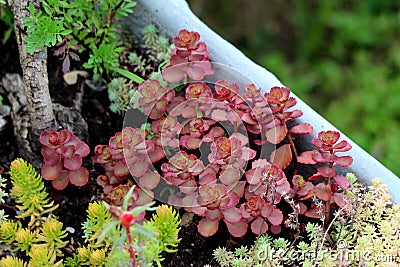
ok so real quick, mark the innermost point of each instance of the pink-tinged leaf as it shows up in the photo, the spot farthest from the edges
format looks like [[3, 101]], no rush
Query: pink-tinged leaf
[[277, 134], [138, 168], [47, 152], [79, 177], [342, 181], [120, 170], [66, 65], [275, 229], [342, 201], [237, 229], [326, 171], [173, 73], [213, 215], [73, 163], [302, 128], [259, 226], [66, 151], [314, 212], [207, 227], [282, 156], [306, 157], [190, 142], [219, 115], [51, 172], [61, 182], [276, 217], [232, 214], [188, 187], [189, 112], [51, 161], [149, 180], [238, 189], [253, 176], [344, 161], [83, 149], [323, 191], [230, 176]]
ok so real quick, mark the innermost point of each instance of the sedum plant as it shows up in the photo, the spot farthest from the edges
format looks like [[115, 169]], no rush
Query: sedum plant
[[119, 236], [63, 152], [366, 235], [42, 237]]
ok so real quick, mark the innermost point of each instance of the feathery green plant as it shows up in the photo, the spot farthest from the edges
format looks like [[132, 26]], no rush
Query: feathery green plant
[[29, 192]]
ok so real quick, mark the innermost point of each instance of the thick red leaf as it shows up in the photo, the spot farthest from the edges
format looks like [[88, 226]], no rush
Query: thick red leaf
[[306, 157], [61, 181], [342, 146], [276, 217], [342, 181], [73, 163], [344, 161], [326, 171], [277, 134], [149, 180], [51, 172], [282, 156], [79, 177], [259, 226], [207, 227], [302, 128], [237, 229], [323, 191]]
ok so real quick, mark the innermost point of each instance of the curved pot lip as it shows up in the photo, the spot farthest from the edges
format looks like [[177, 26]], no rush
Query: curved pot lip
[[170, 16]]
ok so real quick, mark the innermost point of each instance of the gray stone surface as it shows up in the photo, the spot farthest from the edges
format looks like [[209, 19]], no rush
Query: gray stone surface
[[170, 16]]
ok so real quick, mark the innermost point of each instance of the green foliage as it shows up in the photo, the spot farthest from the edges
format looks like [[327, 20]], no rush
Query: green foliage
[[7, 18], [103, 57], [10, 261], [97, 218], [92, 25], [120, 91], [43, 31], [167, 225], [51, 236], [41, 239], [29, 192]]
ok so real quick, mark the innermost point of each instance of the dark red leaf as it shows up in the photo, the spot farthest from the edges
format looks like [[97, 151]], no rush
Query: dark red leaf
[[60, 50], [326, 171], [74, 56], [303, 128], [282, 156], [342, 181], [344, 161], [323, 191], [66, 65]]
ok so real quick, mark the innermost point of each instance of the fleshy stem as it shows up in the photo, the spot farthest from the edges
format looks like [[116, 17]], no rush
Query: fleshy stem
[[328, 203], [294, 152], [129, 247]]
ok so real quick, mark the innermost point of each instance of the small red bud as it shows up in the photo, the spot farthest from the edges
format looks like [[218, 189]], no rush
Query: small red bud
[[126, 219]]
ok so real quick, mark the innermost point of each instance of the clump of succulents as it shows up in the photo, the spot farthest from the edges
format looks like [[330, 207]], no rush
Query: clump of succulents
[[63, 152]]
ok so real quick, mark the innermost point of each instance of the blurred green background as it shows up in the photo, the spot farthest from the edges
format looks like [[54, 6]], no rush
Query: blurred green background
[[341, 57]]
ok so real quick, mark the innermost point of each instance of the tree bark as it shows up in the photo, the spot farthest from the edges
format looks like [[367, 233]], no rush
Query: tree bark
[[34, 69]]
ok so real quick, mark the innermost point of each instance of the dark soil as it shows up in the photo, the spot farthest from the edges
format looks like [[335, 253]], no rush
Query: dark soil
[[193, 250]]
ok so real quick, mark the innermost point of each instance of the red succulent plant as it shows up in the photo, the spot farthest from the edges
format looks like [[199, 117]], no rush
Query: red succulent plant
[[63, 153]]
